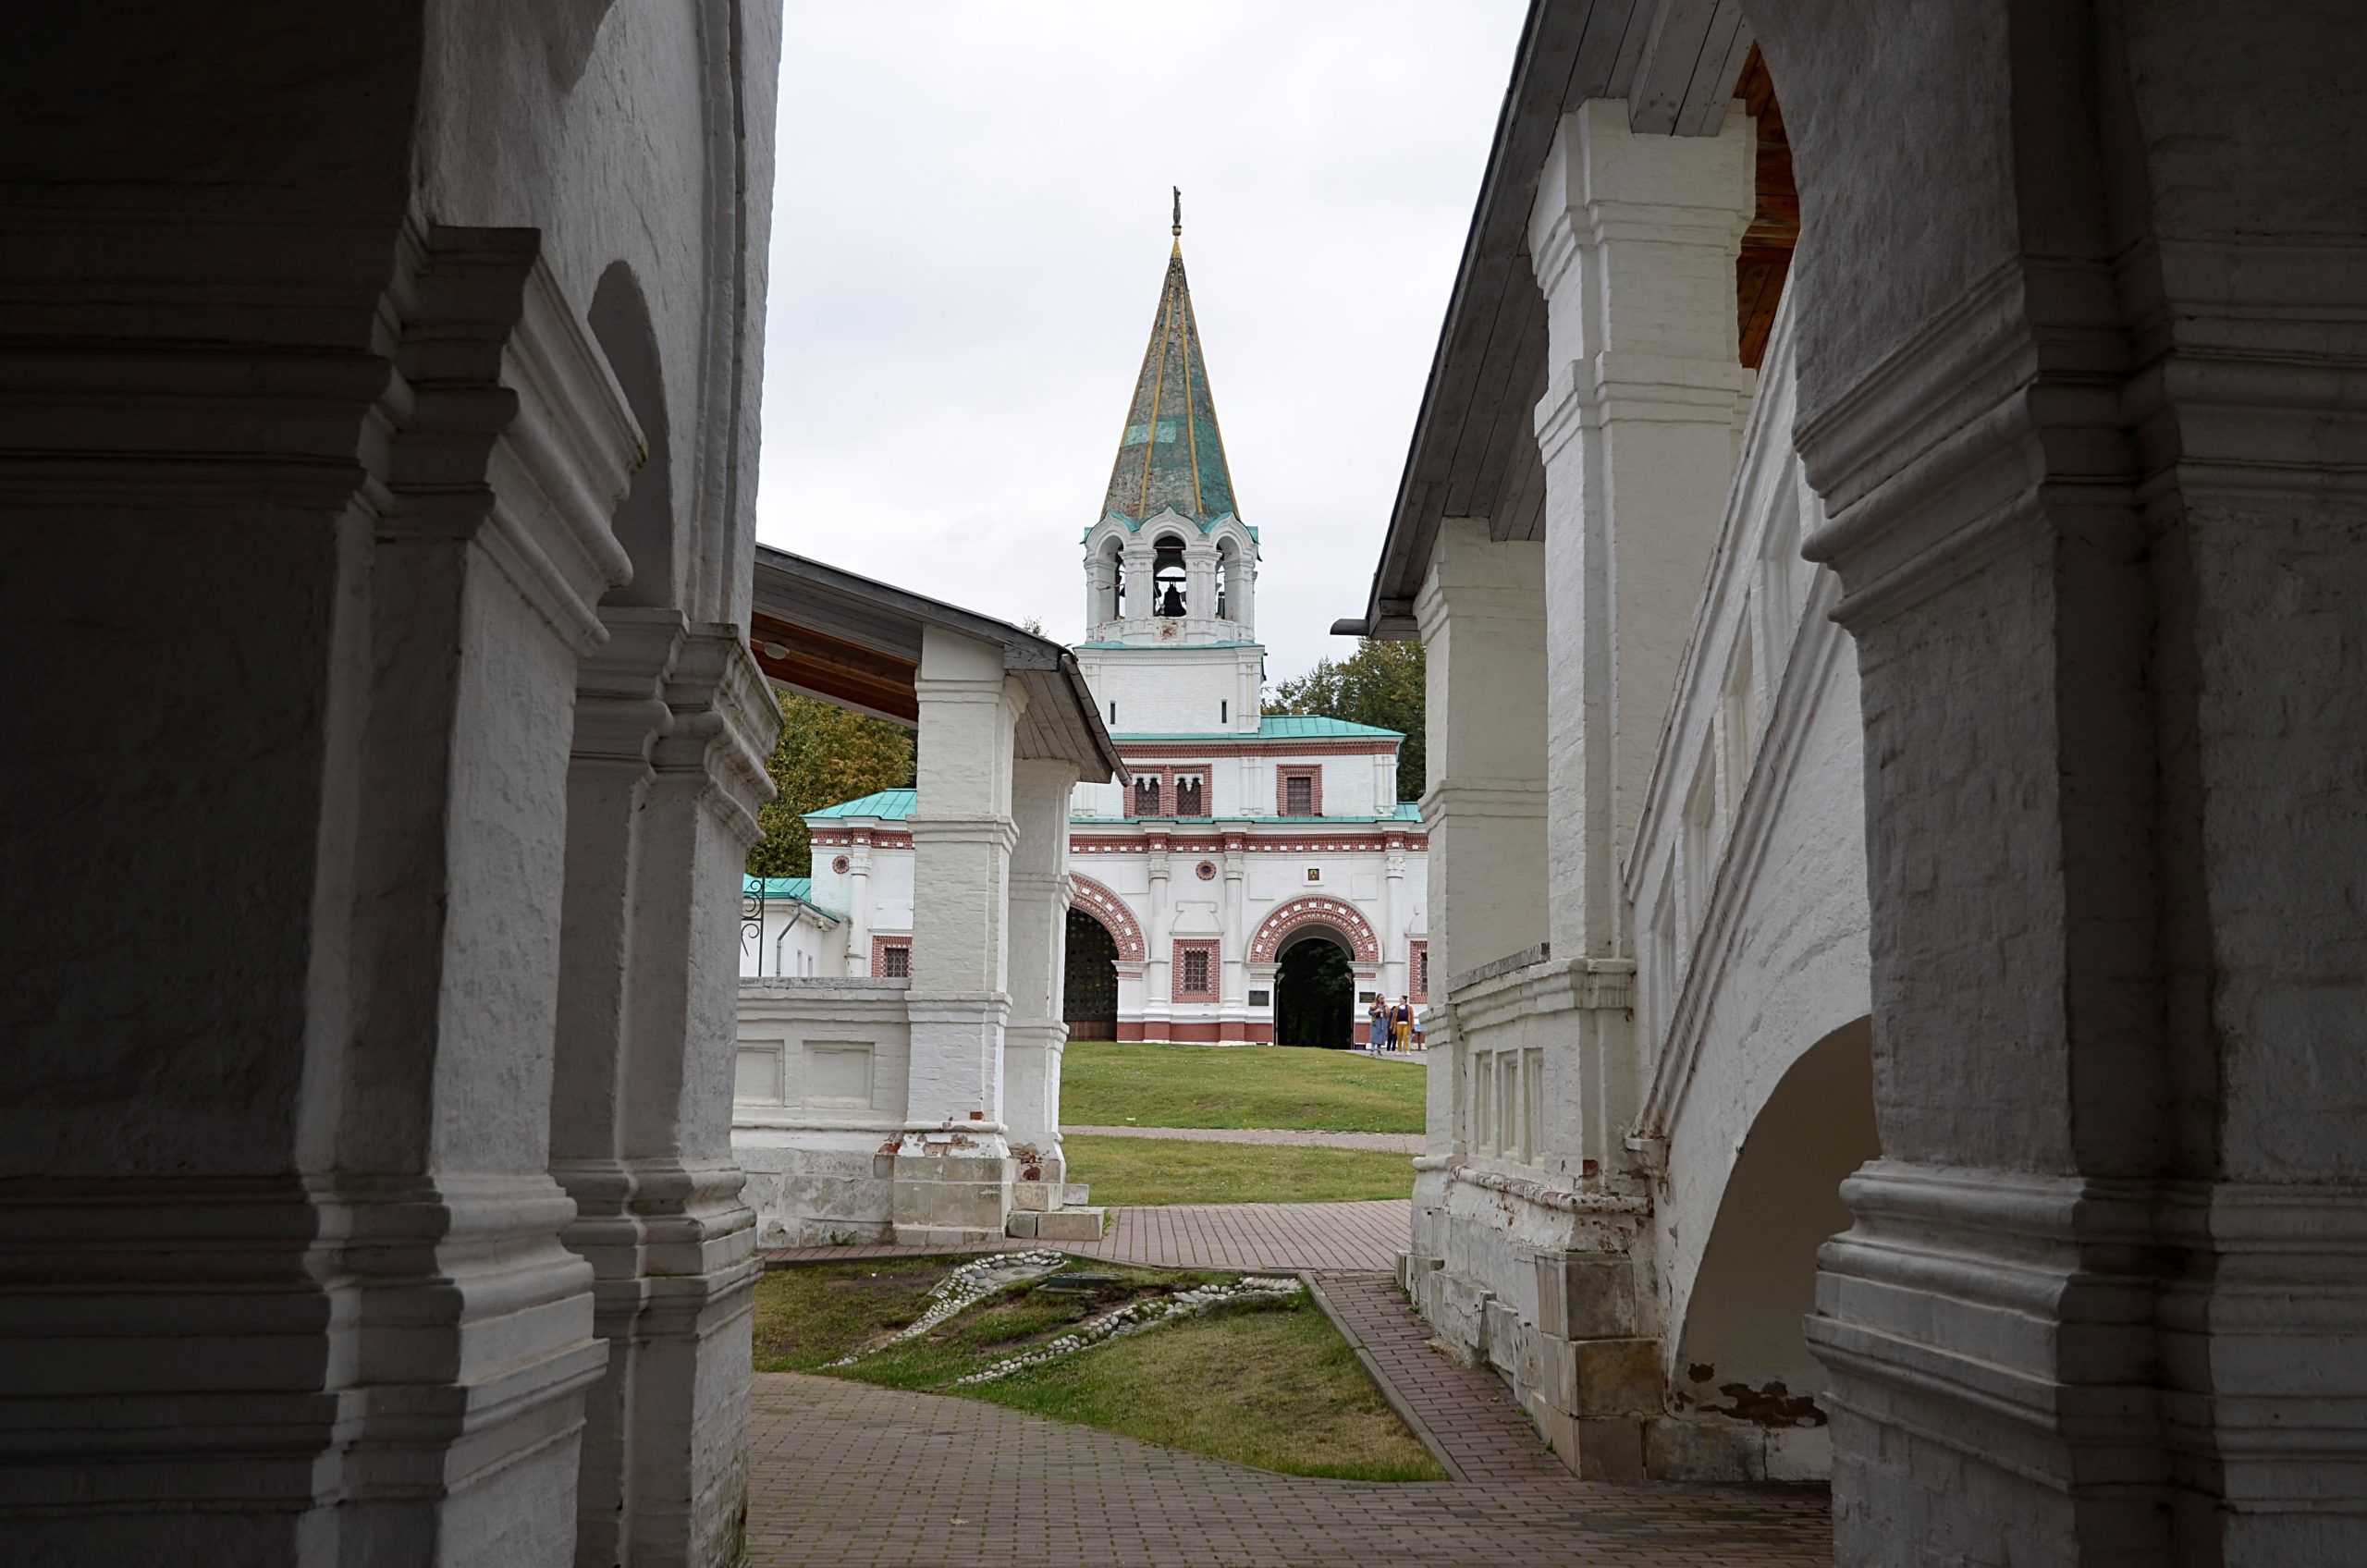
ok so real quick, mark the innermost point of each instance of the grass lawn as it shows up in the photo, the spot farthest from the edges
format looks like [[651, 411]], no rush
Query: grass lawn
[[1162, 1170], [1269, 1385], [1107, 1084]]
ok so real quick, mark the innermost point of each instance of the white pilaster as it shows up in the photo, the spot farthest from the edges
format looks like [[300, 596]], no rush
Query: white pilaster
[[1633, 239], [952, 1178], [640, 1117], [1036, 1039]]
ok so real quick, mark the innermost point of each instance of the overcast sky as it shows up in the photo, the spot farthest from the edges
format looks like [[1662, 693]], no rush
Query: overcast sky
[[969, 234]]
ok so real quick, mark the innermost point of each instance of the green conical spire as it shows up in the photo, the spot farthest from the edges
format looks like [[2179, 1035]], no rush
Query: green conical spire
[[1172, 454]]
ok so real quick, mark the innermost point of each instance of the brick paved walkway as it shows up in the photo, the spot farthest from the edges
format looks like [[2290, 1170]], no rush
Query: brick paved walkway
[[1382, 1143], [842, 1473], [1351, 1237]]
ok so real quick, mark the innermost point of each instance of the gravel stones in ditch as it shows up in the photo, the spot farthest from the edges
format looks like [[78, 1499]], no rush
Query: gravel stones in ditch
[[964, 1289], [1137, 1317]]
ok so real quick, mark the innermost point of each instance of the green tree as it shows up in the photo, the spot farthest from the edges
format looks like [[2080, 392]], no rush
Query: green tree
[[1381, 683], [827, 754]]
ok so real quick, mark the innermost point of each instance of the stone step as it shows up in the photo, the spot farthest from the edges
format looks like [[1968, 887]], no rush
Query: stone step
[[1058, 1224], [1043, 1196]]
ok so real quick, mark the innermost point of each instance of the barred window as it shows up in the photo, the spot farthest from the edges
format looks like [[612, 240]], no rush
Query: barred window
[[1196, 968], [896, 963], [1298, 795]]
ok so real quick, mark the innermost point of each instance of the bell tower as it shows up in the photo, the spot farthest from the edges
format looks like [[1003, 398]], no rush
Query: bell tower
[[1171, 570]]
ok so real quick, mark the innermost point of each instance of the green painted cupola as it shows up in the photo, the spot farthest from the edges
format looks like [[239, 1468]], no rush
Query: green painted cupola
[[1171, 456]]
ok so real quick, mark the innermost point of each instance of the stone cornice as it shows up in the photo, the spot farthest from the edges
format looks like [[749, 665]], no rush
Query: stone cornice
[[722, 721], [508, 417], [1954, 449]]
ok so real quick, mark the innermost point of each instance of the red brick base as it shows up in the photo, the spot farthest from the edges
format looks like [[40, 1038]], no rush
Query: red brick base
[[1255, 1031]]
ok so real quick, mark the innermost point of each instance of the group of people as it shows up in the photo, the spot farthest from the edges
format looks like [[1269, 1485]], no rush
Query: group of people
[[1391, 1026]]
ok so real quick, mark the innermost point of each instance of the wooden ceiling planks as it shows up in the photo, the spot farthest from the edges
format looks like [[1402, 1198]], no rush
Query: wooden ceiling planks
[[1774, 230], [827, 667]]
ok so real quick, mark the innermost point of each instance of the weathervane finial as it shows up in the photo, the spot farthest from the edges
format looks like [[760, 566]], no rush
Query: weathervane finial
[[1177, 230]]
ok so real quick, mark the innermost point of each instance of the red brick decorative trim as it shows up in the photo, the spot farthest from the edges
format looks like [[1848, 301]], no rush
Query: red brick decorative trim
[[1284, 841], [1313, 774], [882, 838], [1418, 970], [1174, 790], [881, 946], [1248, 1031], [1214, 976], [1338, 913], [1111, 912]]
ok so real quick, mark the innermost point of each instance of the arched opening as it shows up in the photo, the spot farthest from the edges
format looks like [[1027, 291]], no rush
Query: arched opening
[[1742, 1352], [1228, 583], [1315, 991], [1110, 582], [645, 524], [1167, 577], [1089, 984]]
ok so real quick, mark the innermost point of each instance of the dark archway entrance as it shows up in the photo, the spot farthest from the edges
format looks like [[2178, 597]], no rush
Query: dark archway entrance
[[1315, 994], [1089, 986]]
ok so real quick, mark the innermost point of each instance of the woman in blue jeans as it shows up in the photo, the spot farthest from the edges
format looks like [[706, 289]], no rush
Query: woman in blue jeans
[[1375, 1026]]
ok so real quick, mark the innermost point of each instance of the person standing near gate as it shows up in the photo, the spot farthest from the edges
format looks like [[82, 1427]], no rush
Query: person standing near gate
[[1375, 1024], [1401, 1025]]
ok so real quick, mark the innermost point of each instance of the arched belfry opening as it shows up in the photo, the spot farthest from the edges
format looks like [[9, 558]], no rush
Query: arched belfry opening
[[1089, 983], [1315, 990], [1109, 582], [1231, 580], [1167, 577]]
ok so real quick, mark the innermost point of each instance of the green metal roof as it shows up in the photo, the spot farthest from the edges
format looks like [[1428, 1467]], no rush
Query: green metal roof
[[799, 888], [1281, 726], [887, 805], [1172, 454], [1309, 726]]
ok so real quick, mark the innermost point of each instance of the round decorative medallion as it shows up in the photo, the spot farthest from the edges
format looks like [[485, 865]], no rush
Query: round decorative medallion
[[840, 865], [1206, 871]]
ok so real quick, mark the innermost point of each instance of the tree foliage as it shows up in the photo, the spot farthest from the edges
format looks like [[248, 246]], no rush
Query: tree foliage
[[827, 754], [1381, 683]]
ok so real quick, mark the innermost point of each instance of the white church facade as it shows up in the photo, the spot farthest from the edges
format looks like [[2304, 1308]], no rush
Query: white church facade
[[1240, 837]]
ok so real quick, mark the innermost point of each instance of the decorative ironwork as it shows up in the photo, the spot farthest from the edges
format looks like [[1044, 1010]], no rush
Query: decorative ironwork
[[755, 895]]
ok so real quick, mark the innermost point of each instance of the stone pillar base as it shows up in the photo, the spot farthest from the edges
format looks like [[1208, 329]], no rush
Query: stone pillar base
[[1540, 1283], [950, 1189]]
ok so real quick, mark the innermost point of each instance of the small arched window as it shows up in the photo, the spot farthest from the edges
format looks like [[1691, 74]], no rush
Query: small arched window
[[1145, 794]]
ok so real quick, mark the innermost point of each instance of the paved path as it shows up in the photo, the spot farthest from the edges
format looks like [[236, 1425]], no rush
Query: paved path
[[1353, 1236], [842, 1473], [1384, 1143]]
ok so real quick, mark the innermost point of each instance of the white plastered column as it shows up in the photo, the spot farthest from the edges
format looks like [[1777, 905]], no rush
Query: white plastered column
[[1200, 580], [1633, 239], [641, 1107], [1158, 993], [1482, 612], [952, 1167], [858, 959], [1036, 1039]]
